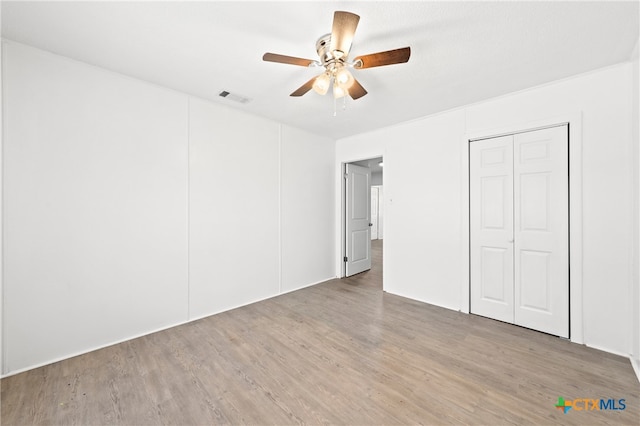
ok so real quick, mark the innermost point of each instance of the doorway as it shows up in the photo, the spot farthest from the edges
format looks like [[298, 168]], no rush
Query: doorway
[[362, 213]]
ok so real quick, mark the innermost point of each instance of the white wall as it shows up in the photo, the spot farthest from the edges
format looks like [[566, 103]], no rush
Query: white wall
[[234, 215], [95, 207], [424, 212], [308, 243], [422, 205], [604, 102], [131, 208]]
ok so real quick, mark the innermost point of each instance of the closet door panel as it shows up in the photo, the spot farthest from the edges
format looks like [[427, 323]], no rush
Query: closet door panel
[[491, 222], [541, 225]]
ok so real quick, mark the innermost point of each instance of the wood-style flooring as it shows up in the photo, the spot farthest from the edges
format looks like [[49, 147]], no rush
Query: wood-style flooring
[[341, 352]]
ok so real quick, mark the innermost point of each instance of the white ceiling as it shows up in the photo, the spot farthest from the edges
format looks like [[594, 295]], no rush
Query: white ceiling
[[462, 52]]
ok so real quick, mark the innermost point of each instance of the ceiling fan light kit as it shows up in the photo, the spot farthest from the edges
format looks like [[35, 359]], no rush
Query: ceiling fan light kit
[[321, 83], [333, 52]]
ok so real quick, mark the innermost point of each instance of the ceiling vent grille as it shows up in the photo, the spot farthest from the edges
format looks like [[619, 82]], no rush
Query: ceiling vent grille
[[233, 97]]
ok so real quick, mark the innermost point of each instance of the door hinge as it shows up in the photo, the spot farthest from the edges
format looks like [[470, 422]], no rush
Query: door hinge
[[345, 259], [346, 176]]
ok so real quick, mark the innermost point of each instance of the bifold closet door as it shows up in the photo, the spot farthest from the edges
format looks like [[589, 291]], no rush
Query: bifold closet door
[[519, 229], [491, 227], [541, 223]]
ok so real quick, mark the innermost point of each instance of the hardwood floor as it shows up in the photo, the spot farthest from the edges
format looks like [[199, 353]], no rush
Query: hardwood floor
[[342, 352]]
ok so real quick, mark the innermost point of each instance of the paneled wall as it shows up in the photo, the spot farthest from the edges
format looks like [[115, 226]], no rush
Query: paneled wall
[[424, 202], [95, 206], [129, 208]]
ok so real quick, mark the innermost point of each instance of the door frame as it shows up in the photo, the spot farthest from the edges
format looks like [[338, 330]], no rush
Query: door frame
[[377, 210], [574, 120]]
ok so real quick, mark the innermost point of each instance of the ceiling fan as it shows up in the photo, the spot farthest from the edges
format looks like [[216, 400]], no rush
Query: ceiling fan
[[333, 50]]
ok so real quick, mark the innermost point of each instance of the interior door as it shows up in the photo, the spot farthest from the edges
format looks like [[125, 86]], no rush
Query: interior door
[[358, 219], [374, 213], [541, 217], [491, 227]]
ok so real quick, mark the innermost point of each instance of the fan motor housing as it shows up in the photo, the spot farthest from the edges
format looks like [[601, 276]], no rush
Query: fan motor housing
[[327, 57]]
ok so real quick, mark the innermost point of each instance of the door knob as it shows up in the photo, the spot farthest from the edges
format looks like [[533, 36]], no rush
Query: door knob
[[371, 224], [511, 240]]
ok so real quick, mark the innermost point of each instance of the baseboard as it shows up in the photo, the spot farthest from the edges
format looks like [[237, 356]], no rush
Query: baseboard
[[607, 350], [95, 348], [251, 302], [636, 367], [307, 285], [428, 302], [136, 336]]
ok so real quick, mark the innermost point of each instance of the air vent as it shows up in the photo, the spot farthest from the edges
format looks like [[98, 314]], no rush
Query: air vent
[[233, 97]]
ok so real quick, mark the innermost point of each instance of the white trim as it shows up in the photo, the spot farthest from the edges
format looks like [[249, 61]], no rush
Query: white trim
[[94, 348], [465, 291], [250, 303], [633, 248], [575, 209], [2, 120], [509, 133], [426, 302], [343, 221], [479, 102], [279, 208], [636, 367], [635, 51], [188, 207], [607, 350], [146, 333]]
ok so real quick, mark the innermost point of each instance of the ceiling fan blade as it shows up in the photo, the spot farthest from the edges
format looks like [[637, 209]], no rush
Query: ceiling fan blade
[[356, 91], [396, 56], [283, 59], [344, 28], [304, 88]]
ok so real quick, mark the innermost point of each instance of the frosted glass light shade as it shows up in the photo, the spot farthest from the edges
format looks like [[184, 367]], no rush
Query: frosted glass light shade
[[339, 91], [344, 78], [322, 83]]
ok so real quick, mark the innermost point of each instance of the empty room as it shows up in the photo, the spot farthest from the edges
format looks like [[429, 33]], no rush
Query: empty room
[[320, 212]]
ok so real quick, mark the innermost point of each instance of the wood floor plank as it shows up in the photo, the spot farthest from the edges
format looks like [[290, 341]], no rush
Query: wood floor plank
[[341, 352]]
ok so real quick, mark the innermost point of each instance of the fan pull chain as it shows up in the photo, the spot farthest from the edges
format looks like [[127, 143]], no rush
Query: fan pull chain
[[335, 105]]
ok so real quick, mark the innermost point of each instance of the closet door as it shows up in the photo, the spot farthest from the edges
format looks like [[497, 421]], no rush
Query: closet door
[[541, 224], [491, 228]]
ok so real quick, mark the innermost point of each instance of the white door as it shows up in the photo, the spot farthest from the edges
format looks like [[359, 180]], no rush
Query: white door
[[519, 229], [541, 213], [491, 227], [374, 213], [358, 219]]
